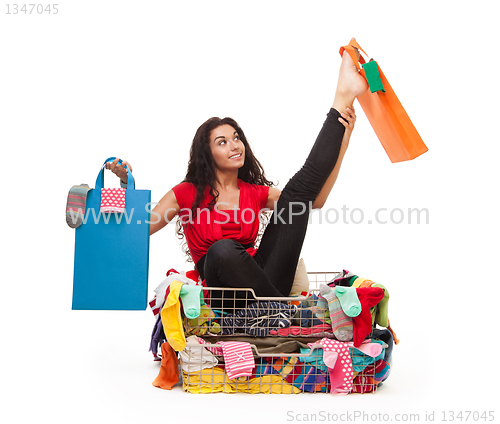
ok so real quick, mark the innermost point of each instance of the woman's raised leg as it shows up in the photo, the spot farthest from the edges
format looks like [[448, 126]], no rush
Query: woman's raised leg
[[282, 240]]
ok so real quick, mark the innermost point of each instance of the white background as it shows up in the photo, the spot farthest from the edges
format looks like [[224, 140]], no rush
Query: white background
[[136, 79]]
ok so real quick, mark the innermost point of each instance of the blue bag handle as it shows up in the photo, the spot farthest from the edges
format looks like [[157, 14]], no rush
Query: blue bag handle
[[99, 182]]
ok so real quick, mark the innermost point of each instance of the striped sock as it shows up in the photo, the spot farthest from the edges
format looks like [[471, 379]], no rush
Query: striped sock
[[75, 208], [341, 323]]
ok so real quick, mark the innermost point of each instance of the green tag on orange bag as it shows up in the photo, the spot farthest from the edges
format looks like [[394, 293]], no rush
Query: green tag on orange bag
[[373, 77]]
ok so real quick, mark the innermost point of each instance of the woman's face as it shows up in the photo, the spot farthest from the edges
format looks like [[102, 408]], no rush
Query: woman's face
[[227, 149]]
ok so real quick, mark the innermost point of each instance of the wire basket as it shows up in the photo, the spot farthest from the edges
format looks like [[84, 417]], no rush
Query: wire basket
[[284, 335], [285, 373], [238, 312]]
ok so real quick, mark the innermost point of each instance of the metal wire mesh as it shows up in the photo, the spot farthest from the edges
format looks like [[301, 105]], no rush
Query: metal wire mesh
[[286, 373], [236, 314]]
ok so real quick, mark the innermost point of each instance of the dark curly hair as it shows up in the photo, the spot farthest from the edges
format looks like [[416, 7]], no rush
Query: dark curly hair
[[201, 170]]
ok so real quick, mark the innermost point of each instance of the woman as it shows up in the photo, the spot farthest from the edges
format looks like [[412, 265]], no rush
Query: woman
[[224, 180]]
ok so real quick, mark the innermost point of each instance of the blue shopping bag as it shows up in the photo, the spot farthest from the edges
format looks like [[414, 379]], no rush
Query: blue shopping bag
[[112, 252]]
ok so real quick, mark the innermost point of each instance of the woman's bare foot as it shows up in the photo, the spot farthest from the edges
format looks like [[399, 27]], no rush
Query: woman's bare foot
[[350, 85]]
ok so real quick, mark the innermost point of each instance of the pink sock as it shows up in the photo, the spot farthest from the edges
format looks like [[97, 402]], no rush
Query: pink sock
[[341, 374], [370, 349], [335, 382], [330, 358]]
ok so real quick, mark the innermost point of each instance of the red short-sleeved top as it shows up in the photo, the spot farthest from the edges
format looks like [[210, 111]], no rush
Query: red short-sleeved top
[[211, 225]]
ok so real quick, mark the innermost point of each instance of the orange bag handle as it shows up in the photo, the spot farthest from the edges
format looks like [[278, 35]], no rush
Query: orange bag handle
[[350, 48]]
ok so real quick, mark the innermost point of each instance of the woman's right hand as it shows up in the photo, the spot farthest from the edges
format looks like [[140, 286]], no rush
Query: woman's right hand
[[119, 169], [348, 120]]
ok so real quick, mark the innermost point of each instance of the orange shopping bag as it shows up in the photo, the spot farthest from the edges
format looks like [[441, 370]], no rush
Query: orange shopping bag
[[387, 116]]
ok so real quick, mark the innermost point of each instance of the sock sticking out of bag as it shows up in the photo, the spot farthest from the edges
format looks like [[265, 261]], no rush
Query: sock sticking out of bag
[[113, 200], [75, 207], [192, 299]]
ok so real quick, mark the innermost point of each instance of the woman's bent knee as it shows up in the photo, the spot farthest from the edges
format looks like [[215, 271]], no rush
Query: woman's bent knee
[[223, 250]]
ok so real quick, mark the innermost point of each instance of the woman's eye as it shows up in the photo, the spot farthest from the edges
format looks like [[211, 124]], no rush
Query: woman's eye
[[222, 142]]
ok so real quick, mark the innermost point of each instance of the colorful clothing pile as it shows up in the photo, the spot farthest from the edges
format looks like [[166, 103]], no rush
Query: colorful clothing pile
[[259, 319], [252, 360]]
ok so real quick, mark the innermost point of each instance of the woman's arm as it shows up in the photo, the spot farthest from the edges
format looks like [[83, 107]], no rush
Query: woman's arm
[[274, 195], [350, 117], [163, 212]]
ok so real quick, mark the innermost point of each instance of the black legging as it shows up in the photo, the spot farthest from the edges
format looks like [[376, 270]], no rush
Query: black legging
[[271, 271]]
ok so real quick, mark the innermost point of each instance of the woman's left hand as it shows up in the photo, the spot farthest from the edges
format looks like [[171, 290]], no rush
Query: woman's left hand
[[119, 169], [348, 119]]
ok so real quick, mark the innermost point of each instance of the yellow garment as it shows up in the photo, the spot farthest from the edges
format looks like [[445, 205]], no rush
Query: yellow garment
[[358, 281], [208, 380], [200, 326], [171, 317], [213, 380], [268, 384]]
